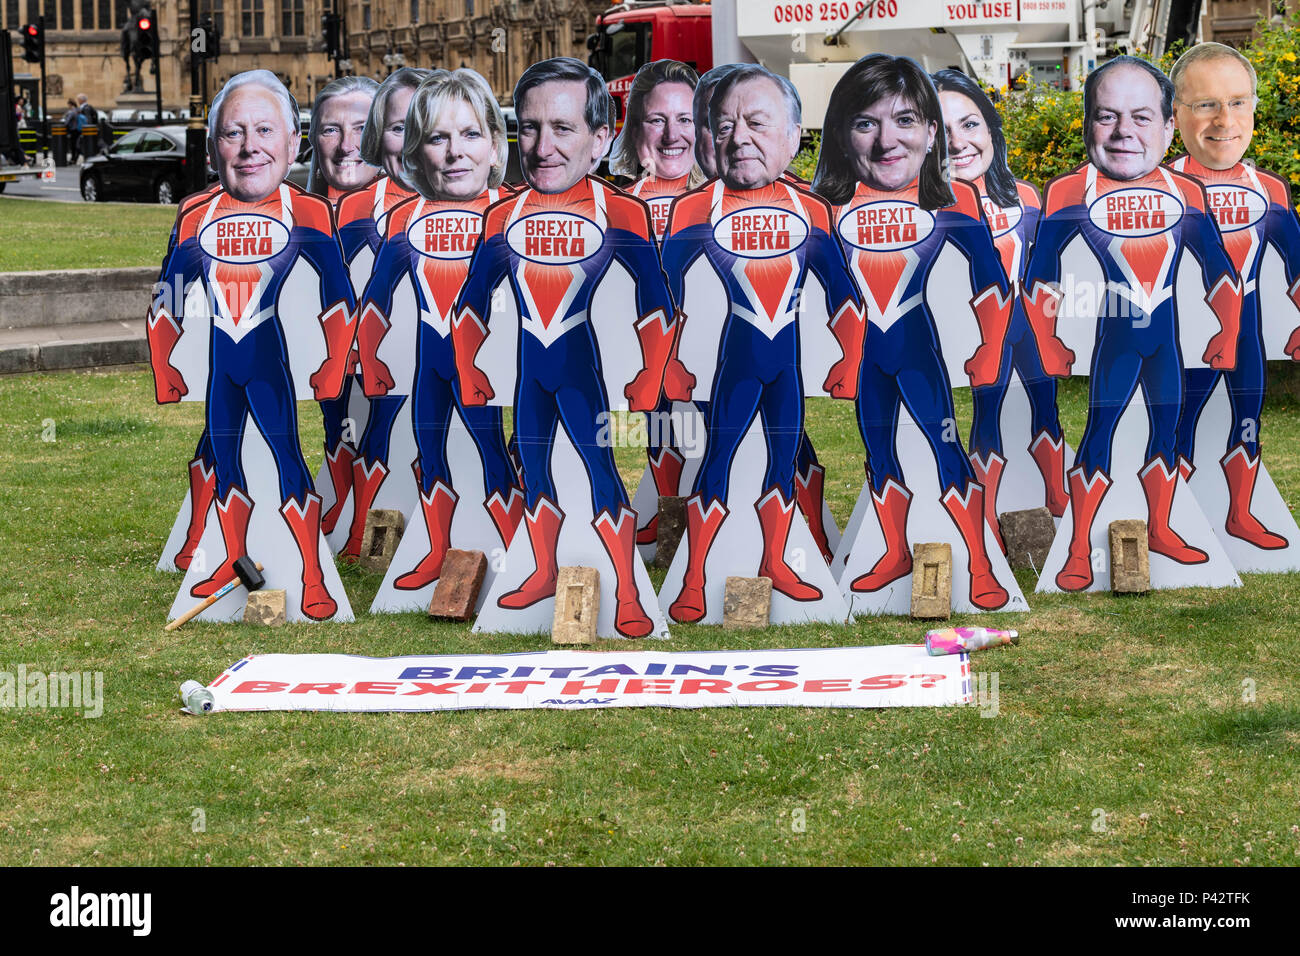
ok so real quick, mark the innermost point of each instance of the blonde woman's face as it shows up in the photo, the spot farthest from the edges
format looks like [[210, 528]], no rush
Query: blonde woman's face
[[395, 130], [457, 153], [667, 147]]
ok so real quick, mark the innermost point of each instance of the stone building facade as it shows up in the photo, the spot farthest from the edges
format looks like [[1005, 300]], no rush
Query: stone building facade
[[498, 38]]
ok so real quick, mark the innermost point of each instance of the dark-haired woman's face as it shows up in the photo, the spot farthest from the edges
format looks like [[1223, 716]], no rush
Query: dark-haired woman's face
[[887, 142], [970, 141]]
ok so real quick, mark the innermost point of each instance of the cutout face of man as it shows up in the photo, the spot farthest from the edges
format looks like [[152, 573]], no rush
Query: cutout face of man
[[395, 130], [667, 135], [338, 141], [888, 141], [457, 153], [970, 142], [755, 138], [1128, 134], [253, 144], [1214, 109], [556, 147]]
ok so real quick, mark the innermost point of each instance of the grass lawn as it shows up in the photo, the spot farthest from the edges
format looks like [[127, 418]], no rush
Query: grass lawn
[[59, 235], [1133, 708]]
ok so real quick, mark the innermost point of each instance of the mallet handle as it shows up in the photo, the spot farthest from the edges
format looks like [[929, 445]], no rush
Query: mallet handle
[[207, 602]]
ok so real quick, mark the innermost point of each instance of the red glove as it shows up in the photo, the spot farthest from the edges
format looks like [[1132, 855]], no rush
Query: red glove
[[993, 313], [850, 330], [467, 337], [336, 322], [1041, 303], [163, 333]]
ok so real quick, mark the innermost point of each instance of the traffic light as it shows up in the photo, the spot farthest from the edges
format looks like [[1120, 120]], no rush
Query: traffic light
[[330, 24], [33, 43], [211, 49], [147, 26]]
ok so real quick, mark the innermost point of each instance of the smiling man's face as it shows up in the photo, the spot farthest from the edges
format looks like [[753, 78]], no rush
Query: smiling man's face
[[254, 145], [1129, 134], [1218, 139]]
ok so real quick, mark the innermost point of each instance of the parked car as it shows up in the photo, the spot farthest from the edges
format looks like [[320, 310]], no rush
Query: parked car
[[146, 163]]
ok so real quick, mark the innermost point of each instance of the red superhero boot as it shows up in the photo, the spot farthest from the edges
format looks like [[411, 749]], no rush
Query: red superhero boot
[[988, 472], [810, 493], [1159, 482], [1049, 455], [967, 513], [438, 506], [543, 534], [232, 514], [892, 505], [775, 515], [701, 528], [666, 470], [203, 484], [1085, 500], [339, 462], [506, 513], [619, 539], [1241, 470], [365, 486], [304, 524]]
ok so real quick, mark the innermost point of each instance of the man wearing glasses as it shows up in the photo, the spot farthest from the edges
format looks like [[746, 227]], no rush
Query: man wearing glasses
[[1214, 109]]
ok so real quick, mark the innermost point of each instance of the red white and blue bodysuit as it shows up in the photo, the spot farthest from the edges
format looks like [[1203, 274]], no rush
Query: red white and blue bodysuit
[[1252, 209], [1138, 230], [243, 253], [556, 249], [892, 244], [1013, 232], [761, 243], [432, 242], [361, 214]]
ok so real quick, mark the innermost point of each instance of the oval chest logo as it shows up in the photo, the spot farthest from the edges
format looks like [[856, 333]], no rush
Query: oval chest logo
[[886, 226], [761, 232], [244, 238], [1001, 221], [1235, 207], [554, 238], [1135, 213], [447, 234]]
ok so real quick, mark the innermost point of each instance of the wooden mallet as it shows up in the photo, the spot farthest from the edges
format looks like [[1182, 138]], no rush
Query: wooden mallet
[[247, 572]]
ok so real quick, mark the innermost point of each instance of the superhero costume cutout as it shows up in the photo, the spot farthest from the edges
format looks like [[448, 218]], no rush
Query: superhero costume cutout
[[277, 328], [920, 484], [737, 260], [1219, 430], [1127, 238], [586, 316], [463, 478], [673, 464], [375, 472]]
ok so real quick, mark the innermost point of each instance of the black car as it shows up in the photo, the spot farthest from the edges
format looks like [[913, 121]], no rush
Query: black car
[[147, 163]]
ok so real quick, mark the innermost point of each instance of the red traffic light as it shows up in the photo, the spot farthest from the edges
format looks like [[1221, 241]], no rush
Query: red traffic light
[[32, 30], [144, 24]]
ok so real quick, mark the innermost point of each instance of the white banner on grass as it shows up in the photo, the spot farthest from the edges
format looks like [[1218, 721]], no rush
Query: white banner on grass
[[892, 676]]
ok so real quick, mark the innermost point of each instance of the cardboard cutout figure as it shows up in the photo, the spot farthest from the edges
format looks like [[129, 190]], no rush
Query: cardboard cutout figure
[[454, 153], [977, 154], [386, 435], [1214, 106], [881, 166], [560, 242], [761, 236], [268, 320], [1137, 217]]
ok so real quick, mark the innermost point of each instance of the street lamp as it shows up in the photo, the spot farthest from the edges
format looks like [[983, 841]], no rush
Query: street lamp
[[394, 60]]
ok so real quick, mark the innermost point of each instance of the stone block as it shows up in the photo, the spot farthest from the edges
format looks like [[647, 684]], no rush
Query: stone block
[[672, 525], [747, 602], [265, 607], [577, 604], [1130, 561], [932, 581], [384, 527], [456, 594], [1028, 536]]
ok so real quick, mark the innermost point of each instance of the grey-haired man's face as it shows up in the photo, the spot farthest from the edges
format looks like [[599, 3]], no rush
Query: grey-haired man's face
[[754, 139], [253, 145], [556, 147]]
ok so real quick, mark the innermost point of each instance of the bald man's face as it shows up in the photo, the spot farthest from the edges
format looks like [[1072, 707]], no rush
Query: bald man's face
[[253, 144]]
